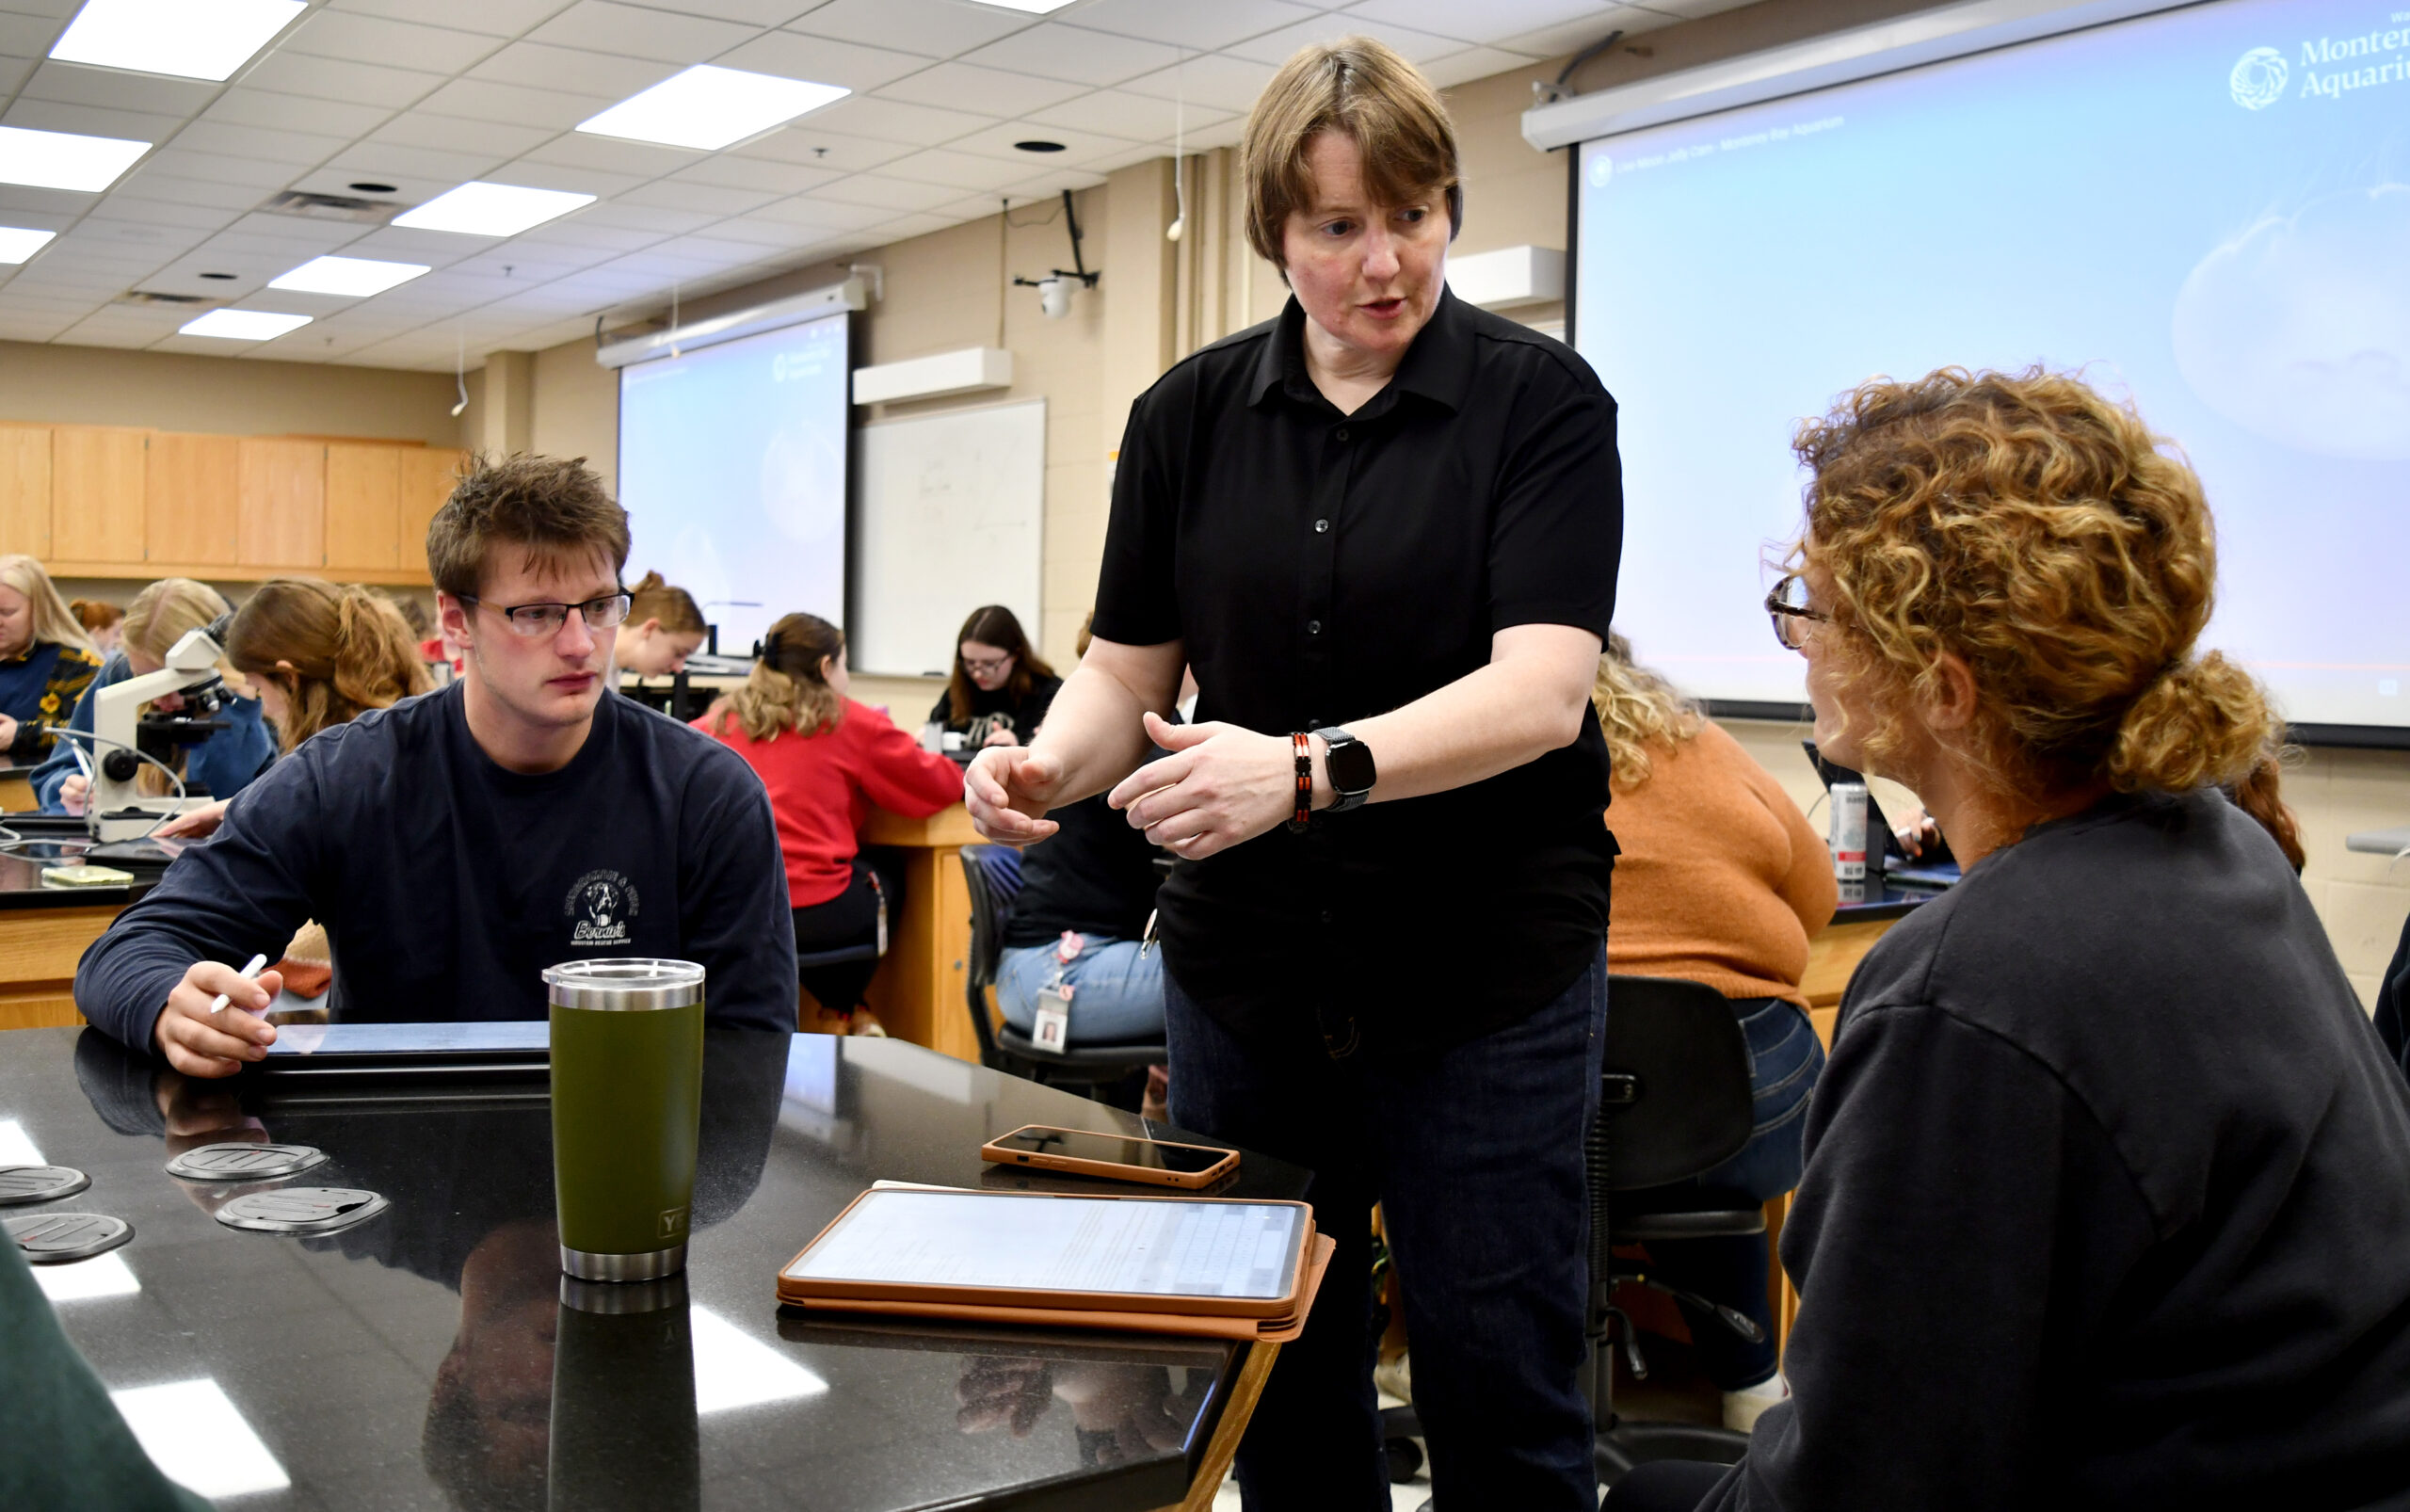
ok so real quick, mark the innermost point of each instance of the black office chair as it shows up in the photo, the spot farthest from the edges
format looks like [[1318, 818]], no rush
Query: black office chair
[[993, 874], [806, 960], [1674, 1102]]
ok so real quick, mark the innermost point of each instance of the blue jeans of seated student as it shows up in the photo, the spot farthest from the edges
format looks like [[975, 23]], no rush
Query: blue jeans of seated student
[[1117, 994], [1785, 1059], [1475, 1154]]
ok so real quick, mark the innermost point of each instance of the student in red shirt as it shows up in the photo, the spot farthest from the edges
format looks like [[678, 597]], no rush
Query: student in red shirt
[[826, 759]]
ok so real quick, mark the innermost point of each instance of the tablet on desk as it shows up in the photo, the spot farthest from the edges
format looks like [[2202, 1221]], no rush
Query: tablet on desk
[[506, 1047], [1037, 1249]]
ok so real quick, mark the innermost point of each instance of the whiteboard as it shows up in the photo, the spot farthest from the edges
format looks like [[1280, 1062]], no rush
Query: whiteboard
[[950, 516]]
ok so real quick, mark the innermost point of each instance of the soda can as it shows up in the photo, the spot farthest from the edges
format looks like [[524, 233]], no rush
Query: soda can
[[1849, 831]]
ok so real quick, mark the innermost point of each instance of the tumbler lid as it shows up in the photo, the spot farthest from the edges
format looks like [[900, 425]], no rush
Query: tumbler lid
[[624, 983]]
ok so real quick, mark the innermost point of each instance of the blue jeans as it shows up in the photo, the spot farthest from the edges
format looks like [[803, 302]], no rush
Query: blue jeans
[[1475, 1154], [1117, 994], [1785, 1059]]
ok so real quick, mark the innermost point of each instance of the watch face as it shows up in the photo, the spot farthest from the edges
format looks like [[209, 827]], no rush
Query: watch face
[[1350, 766]]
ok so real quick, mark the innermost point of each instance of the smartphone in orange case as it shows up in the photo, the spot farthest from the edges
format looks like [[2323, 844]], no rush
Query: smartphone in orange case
[[1120, 1157]]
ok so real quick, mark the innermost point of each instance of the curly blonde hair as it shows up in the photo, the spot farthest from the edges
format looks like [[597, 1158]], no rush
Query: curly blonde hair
[[2065, 553], [786, 690], [335, 652], [1638, 711]]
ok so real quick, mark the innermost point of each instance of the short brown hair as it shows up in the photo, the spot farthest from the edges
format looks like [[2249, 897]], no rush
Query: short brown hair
[[2047, 537], [1361, 90], [345, 651], [657, 599], [553, 508]]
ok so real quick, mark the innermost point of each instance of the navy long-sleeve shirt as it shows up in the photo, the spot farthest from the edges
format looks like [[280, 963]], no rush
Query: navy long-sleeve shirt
[[447, 884]]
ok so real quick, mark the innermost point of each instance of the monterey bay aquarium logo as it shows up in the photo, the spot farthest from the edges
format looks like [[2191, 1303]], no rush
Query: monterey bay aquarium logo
[[2331, 67]]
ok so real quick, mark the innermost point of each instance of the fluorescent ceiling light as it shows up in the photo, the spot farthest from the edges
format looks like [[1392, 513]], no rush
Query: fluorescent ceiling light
[[480, 209], [102, 1276], [190, 39], [193, 1433], [62, 160], [734, 1369], [709, 107], [243, 324], [17, 1147], [17, 243], [358, 277]]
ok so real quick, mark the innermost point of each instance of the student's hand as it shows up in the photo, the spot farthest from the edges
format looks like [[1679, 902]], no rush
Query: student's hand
[[1220, 786], [1001, 736], [1915, 830], [8, 731], [193, 823], [199, 1043], [74, 792], [1008, 790]]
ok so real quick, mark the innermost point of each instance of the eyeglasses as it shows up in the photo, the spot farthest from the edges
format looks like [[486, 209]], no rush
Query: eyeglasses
[[1787, 607], [986, 665], [532, 620]]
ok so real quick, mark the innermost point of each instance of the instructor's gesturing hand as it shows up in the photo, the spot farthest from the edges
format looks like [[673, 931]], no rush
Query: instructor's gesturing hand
[[1220, 786], [1008, 790]]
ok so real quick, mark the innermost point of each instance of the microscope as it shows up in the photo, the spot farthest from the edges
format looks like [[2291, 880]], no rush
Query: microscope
[[116, 809]]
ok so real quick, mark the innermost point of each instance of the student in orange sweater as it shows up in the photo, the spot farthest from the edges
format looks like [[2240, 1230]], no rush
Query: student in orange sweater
[[826, 759], [1721, 880]]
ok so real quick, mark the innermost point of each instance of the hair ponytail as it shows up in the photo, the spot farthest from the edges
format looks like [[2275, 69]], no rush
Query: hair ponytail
[[652, 598], [786, 690], [2205, 722], [334, 652]]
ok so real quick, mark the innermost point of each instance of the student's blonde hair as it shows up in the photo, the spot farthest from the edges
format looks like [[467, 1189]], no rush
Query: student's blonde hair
[[54, 622], [654, 599], [2047, 537], [162, 614], [1639, 712], [343, 650], [786, 690]]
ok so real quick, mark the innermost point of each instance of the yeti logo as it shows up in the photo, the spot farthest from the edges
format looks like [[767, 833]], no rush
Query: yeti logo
[[602, 907], [2258, 79]]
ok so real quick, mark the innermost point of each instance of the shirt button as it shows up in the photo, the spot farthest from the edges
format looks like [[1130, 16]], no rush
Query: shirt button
[[1321, 525], [1313, 627], [1342, 433]]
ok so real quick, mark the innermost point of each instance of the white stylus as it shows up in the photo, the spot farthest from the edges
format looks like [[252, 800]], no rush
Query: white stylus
[[250, 973]]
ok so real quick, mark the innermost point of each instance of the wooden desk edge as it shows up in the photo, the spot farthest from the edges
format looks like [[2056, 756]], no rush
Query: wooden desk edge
[[947, 827]]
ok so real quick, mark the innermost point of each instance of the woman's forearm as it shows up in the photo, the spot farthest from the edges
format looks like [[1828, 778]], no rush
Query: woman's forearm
[[1526, 703], [1094, 726]]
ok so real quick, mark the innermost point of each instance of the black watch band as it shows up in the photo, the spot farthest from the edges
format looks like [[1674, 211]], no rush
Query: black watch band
[[1348, 762]]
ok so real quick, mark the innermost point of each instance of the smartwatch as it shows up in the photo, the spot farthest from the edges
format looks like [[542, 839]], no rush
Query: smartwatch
[[1348, 762]]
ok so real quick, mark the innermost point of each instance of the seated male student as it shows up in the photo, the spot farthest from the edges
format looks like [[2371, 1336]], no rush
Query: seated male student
[[456, 843]]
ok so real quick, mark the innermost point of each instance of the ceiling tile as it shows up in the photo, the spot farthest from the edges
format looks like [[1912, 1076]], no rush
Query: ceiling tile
[[612, 156], [821, 213], [298, 231], [639, 218], [533, 264], [885, 194], [73, 84], [940, 28], [1131, 116], [359, 38], [262, 179], [91, 120], [1054, 51], [499, 17], [1213, 79], [755, 173], [182, 188], [376, 160], [1276, 47], [1573, 36], [14, 72], [294, 112], [328, 78], [514, 105], [259, 142], [1485, 23], [1690, 9], [1046, 185], [816, 148], [990, 92], [703, 198], [28, 36], [172, 220], [894, 121], [712, 250], [453, 134], [772, 234], [906, 227], [530, 174], [542, 66], [1478, 63], [956, 171], [822, 60], [632, 32], [19, 197], [408, 189], [999, 142], [403, 244], [575, 233], [1186, 23]]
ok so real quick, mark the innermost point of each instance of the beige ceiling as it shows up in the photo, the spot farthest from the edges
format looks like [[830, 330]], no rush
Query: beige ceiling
[[426, 94]]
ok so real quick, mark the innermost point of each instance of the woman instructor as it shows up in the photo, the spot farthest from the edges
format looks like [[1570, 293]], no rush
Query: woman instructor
[[1384, 527]]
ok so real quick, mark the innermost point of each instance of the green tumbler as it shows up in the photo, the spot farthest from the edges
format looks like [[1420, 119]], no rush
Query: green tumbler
[[627, 1103]]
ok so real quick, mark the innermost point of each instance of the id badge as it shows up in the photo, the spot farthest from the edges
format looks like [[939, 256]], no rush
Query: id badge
[[1051, 1030]]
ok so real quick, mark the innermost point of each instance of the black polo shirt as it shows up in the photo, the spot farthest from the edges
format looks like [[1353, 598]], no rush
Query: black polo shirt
[[1322, 568]]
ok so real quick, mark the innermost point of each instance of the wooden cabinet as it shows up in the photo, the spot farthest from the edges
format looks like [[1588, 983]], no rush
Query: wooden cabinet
[[363, 507], [283, 518], [193, 500], [97, 483], [427, 478], [24, 489]]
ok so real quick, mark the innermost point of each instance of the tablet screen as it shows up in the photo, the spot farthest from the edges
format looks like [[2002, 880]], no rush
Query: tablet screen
[[1062, 1243], [433, 1039]]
